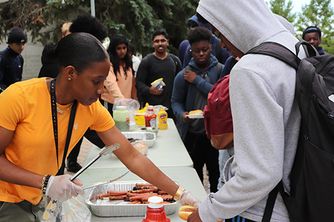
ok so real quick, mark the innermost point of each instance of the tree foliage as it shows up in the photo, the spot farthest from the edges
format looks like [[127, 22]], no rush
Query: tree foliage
[[136, 19], [317, 12], [321, 14], [283, 8]]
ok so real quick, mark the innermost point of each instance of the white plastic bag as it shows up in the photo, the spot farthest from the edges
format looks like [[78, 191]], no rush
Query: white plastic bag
[[75, 209], [70, 210]]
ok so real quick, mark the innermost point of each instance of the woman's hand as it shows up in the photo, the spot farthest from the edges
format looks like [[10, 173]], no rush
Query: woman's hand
[[61, 188]]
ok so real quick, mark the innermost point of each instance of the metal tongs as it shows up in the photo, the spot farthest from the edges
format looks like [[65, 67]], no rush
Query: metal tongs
[[103, 152]]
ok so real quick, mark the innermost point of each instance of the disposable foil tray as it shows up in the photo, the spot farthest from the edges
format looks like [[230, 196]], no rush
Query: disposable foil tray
[[120, 208]]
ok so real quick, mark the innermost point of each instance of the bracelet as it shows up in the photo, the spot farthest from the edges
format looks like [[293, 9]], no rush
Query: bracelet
[[178, 194], [45, 182]]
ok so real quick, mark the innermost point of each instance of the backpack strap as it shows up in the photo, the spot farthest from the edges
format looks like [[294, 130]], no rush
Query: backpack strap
[[277, 51], [219, 69], [271, 202], [176, 63], [309, 49]]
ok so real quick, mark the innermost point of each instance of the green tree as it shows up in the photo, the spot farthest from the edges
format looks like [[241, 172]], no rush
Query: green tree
[[136, 19], [283, 8], [321, 14]]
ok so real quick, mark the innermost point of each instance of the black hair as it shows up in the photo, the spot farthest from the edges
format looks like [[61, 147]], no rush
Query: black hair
[[80, 50], [199, 34], [160, 32], [114, 59], [89, 24], [50, 66], [311, 29], [131, 49], [49, 53]]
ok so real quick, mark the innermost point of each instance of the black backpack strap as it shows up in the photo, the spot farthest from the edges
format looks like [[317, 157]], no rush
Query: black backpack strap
[[176, 63], [277, 51], [271, 202]]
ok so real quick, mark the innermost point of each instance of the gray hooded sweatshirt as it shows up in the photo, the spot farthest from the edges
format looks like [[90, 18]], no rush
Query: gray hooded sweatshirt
[[266, 117]]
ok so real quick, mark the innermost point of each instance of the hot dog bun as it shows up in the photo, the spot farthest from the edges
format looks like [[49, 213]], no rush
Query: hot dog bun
[[185, 211], [196, 112]]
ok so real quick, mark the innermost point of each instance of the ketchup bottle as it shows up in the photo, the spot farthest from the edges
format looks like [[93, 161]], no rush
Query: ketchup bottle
[[155, 211], [150, 118]]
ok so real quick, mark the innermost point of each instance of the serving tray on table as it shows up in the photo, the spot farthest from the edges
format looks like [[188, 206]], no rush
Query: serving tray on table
[[119, 208]]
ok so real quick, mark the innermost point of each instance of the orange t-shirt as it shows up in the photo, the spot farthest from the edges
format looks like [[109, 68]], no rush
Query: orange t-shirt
[[26, 109]]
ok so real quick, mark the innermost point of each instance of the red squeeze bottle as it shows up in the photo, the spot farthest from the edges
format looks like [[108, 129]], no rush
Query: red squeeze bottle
[[155, 211], [150, 117]]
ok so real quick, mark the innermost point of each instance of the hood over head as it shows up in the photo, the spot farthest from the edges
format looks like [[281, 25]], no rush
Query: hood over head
[[286, 24], [194, 21], [245, 24]]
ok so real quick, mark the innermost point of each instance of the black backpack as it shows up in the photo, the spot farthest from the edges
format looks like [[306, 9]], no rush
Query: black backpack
[[311, 197]]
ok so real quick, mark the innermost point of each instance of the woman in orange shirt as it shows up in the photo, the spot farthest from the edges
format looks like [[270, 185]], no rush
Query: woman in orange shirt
[[34, 124], [121, 70]]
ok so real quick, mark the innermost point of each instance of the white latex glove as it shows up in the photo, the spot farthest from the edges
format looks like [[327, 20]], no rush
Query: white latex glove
[[188, 199], [61, 188]]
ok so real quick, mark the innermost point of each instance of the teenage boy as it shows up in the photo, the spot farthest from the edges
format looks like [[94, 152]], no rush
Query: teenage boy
[[11, 60], [312, 35], [191, 88]]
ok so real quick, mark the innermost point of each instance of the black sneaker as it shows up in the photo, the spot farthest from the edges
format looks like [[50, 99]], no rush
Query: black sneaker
[[73, 167]]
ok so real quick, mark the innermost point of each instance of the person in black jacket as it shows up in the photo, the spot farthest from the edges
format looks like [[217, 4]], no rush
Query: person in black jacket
[[11, 61], [159, 64]]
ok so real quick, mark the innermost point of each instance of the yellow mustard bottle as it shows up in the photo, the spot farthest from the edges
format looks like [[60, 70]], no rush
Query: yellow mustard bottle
[[162, 119]]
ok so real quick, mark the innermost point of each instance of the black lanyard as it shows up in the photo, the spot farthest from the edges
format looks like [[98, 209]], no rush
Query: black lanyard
[[55, 125]]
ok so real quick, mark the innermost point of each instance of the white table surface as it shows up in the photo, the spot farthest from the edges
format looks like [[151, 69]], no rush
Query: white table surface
[[168, 150], [186, 176]]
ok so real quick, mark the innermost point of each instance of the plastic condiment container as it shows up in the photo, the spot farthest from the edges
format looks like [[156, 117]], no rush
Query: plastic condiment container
[[150, 117], [162, 119], [155, 211]]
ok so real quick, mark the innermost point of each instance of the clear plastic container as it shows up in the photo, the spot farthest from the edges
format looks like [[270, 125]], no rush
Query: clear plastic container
[[121, 117]]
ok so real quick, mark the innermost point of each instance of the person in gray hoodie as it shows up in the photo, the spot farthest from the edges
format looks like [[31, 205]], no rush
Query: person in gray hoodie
[[266, 117]]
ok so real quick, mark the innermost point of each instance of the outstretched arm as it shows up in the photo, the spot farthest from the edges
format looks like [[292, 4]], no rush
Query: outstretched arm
[[136, 162]]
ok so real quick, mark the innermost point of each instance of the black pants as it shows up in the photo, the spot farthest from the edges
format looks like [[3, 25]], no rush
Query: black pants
[[201, 152], [92, 136]]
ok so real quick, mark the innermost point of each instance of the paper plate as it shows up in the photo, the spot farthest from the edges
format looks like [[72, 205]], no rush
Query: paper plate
[[196, 116]]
